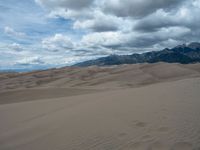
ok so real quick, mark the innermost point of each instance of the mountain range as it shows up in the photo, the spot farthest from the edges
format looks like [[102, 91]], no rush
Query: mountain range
[[183, 54]]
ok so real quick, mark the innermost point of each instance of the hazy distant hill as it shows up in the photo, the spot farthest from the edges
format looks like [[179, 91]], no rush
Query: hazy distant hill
[[184, 54]]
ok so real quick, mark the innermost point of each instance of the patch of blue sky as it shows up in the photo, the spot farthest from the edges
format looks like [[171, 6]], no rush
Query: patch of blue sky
[[35, 24]]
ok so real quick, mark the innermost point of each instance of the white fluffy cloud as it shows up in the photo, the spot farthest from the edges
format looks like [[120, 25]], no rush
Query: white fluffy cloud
[[31, 60], [106, 39], [57, 42]]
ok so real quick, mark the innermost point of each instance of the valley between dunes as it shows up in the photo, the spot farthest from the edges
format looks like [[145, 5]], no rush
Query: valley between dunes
[[126, 107]]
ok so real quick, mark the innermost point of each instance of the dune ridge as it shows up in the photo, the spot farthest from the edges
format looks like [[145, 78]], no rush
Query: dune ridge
[[69, 81], [97, 77]]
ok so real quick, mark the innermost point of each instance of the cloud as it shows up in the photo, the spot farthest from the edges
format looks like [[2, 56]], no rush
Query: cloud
[[68, 4], [121, 41], [11, 32], [35, 60], [57, 42], [121, 27], [99, 23], [149, 39], [16, 47], [138, 8], [125, 8], [105, 39], [161, 19]]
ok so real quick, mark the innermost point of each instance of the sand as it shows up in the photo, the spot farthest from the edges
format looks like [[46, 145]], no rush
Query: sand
[[128, 107]]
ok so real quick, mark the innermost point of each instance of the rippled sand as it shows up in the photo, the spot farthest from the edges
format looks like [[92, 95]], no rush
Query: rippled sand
[[120, 114]]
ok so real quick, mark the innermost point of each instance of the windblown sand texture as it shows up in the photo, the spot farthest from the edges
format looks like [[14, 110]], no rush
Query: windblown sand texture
[[126, 107]]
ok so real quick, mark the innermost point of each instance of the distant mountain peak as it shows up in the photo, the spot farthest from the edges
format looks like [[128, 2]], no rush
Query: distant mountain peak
[[181, 46], [194, 45], [184, 54]]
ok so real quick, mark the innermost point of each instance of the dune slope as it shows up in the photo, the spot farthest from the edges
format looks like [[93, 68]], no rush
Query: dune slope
[[159, 116], [128, 107]]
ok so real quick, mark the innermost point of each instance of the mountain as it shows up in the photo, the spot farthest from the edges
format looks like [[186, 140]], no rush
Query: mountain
[[183, 54]]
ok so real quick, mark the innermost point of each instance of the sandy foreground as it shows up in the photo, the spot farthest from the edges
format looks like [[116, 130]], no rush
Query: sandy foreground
[[128, 107]]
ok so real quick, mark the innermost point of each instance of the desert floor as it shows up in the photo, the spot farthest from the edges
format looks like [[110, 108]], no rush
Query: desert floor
[[127, 107]]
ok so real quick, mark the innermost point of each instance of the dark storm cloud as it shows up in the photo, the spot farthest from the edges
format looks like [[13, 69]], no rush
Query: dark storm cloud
[[99, 24], [162, 19], [68, 4], [138, 8], [104, 28], [154, 22]]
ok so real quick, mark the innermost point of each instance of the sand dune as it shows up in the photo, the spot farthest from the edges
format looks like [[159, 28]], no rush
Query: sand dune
[[110, 108], [99, 77], [69, 81]]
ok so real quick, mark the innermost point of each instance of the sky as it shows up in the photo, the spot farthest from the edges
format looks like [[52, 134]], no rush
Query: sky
[[39, 34]]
